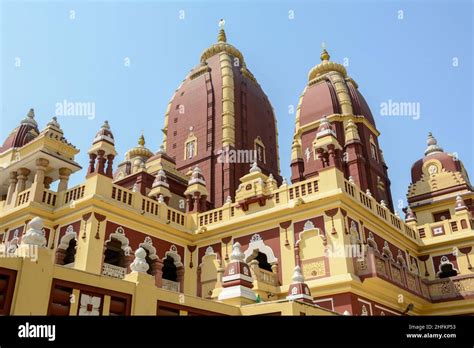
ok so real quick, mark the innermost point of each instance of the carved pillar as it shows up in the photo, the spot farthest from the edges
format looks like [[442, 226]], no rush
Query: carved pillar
[[41, 165], [91, 169], [100, 161], [64, 174], [37, 187], [110, 162], [22, 177], [47, 182], [12, 187]]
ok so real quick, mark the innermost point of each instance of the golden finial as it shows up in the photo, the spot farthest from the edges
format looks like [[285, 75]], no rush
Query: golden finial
[[325, 55], [141, 140], [221, 37]]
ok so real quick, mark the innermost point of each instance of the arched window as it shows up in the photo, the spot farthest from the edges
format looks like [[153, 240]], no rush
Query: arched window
[[446, 268], [169, 269], [70, 254], [66, 252], [114, 254], [263, 262]]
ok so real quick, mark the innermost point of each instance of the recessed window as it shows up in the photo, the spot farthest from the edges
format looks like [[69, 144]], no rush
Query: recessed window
[[441, 216]]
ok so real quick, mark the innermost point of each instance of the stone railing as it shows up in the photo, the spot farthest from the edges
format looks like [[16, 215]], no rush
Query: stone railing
[[112, 271], [445, 227], [382, 212], [49, 198], [373, 265], [262, 276], [453, 288], [74, 193], [23, 197], [170, 285], [266, 277], [280, 197]]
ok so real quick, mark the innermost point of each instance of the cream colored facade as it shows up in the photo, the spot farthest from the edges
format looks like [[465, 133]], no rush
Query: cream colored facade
[[355, 255]]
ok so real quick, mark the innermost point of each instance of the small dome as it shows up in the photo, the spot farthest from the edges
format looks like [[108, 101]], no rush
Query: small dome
[[139, 151], [320, 98], [104, 134], [23, 134], [434, 152]]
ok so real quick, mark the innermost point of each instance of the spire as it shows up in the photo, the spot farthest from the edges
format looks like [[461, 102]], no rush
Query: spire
[[298, 289], [141, 140], [221, 37], [237, 281], [104, 133], [30, 118], [54, 123], [325, 55], [297, 275], [432, 145]]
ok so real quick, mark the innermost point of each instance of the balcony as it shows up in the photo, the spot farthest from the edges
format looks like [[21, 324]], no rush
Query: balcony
[[113, 271], [453, 288], [170, 285], [375, 266]]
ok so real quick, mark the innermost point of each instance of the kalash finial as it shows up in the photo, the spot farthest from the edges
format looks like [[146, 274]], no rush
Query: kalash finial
[[433, 146], [325, 55], [141, 140], [221, 37]]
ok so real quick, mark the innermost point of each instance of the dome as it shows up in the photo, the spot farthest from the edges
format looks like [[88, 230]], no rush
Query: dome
[[139, 151], [23, 134], [218, 107], [320, 98], [440, 159], [104, 134]]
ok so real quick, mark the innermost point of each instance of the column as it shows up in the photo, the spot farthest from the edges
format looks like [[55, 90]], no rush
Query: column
[[11, 188], [38, 182], [110, 162], [47, 182], [22, 177], [100, 161], [64, 174], [91, 169]]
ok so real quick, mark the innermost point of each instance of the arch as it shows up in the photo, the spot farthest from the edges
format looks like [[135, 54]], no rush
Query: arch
[[169, 270], [70, 252], [446, 268], [311, 243], [117, 249], [147, 244], [151, 258], [66, 239], [257, 243], [119, 235], [173, 253]]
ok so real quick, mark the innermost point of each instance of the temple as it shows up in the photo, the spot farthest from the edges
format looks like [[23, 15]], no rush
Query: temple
[[206, 225]]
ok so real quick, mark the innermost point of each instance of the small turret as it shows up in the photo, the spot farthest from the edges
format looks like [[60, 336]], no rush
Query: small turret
[[298, 289], [102, 152], [237, 282]]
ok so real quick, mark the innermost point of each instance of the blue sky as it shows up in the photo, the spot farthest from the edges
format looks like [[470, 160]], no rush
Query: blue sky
[[81, 59]]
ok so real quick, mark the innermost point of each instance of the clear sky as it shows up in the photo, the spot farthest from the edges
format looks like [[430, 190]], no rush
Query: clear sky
[[403, 51]]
